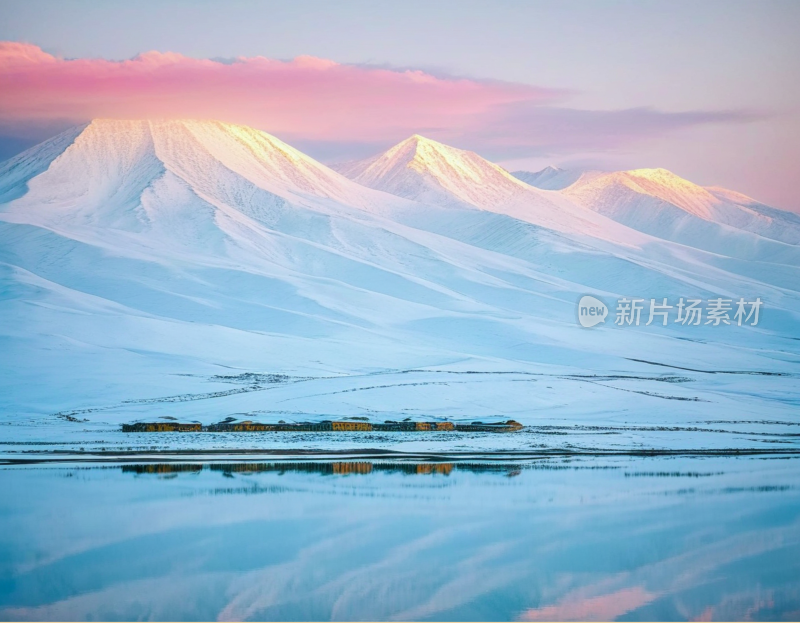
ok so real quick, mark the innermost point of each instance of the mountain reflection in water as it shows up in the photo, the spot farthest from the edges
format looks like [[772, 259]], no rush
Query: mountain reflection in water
[[625, 538], [326, 468]]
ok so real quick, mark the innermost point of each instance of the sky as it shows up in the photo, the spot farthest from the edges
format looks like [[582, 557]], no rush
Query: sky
[[709, 90]]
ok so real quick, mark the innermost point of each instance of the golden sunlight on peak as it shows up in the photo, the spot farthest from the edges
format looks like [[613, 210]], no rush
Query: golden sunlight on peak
[[664, 178]]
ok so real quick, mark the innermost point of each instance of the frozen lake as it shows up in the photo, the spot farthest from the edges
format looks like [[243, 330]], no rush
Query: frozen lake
[[659, 538]]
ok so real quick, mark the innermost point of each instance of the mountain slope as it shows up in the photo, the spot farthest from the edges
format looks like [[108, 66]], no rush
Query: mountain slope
[[549, 178], [660, 203], [15, 172], [746, 213]]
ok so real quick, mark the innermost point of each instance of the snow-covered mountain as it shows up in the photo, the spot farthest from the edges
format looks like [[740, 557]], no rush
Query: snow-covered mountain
[[116, 169], [429, 172], [187, 263], [424, 170], [654, 202], [660, 203]]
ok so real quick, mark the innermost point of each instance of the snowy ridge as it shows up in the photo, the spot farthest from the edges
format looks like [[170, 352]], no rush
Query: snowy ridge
[[424, 170], [429, 172], [662, 204], [549, 178], [15, 172]]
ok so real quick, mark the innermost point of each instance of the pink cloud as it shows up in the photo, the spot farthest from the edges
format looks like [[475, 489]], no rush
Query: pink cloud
[[306, 97], [598, 608], [325, 107]]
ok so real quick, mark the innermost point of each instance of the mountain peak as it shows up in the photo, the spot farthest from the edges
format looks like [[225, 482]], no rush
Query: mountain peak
[[663, 204], [418, 148], [418, 138], [425, 170], [649, 184], [659, 175], [111, 169]]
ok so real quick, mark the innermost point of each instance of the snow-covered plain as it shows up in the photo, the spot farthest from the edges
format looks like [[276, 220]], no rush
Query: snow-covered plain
[[198, 270]]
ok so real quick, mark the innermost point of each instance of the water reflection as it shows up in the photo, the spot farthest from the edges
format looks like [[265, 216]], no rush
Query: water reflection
[[638, 539], [331, 468]]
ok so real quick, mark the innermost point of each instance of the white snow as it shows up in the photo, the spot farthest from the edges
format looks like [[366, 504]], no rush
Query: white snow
[[550, 178], [156, 269], [660, 203]]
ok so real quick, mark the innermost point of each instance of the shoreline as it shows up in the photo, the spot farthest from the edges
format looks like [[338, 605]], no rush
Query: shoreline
[[288, 455]]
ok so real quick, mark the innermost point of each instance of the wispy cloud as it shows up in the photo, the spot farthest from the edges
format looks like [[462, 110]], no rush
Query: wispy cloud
[[521, 129], [315, 101], [599, 608]]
